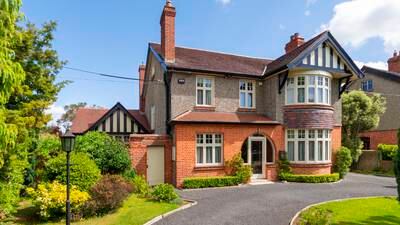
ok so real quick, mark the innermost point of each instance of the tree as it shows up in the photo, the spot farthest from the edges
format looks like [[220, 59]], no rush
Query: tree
[[69, 115], [397, 165], [360, 112]]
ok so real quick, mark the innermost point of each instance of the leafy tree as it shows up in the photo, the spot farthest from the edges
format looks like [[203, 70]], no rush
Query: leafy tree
[[361, 112], [397, 165], [69, 115]]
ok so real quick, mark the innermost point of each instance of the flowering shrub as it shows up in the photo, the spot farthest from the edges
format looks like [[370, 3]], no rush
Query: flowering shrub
[[50, 198]]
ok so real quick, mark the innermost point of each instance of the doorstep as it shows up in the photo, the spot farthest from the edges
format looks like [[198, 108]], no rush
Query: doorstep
[[259, 181]]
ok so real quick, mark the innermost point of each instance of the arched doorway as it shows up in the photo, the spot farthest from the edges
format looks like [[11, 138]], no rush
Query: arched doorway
[[257, 151]]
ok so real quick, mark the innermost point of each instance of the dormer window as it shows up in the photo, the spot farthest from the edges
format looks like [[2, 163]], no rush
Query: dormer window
[[308, 89], [204, 91], [247, 94]]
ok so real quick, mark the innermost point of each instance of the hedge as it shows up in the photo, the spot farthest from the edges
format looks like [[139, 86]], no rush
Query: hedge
[[203, 182], [388, 152], [326, 178]]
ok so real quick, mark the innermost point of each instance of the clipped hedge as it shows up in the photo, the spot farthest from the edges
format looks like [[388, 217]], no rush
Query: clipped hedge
[[388, 152], [203, 182], [325, 178]]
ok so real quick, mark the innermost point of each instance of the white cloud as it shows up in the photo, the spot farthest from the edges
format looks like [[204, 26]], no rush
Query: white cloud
[[378, 64], [355, 22], [282, 27], [307, 13], [56, 112], [224, 2]]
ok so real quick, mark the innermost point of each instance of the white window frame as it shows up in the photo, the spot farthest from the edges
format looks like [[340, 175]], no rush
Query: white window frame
[[326, 138], [366, 83], [213, 145], [326, 89], [204, 89], [152, 117], [247, 92]]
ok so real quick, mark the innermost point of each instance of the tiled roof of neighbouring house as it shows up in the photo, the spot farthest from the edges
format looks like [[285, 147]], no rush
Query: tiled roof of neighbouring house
[[384, 73], [86, 117], [223, 117]]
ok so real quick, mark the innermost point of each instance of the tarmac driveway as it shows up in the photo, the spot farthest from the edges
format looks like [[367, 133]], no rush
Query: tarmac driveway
[[271, 204]]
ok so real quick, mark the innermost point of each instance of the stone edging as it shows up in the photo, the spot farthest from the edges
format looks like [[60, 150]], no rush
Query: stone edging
[[160, 217], [321, 203]]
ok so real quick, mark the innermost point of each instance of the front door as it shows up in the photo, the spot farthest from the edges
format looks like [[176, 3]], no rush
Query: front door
[[257, 156], [155, 165]]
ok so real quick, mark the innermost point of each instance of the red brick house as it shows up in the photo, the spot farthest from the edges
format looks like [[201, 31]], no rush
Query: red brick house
[[204, 107]]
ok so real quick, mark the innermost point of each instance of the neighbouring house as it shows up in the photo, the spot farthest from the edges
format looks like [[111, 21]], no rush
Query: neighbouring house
[[204, 107], [387, 83], [118, 121]]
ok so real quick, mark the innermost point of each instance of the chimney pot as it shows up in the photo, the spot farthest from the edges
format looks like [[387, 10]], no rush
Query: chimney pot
[[167, 23], [394, 62], [295, 41]]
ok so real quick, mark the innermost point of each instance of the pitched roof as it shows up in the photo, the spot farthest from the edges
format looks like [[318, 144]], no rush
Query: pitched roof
[[203, 60], [86, 117], [384, 73], [223, 117]]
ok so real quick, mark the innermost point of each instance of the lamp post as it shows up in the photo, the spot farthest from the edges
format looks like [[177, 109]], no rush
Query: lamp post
[[68, 141]]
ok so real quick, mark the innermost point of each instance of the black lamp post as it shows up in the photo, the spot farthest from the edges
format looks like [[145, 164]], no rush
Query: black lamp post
[[67, 141]]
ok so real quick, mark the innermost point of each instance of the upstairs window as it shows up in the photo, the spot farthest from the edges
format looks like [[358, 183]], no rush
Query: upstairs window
[[204, 91], [367, 85], [247, 94], [308, 89]]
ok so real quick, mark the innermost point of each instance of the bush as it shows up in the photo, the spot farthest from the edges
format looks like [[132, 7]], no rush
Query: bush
[[107, 195], [84, 172], [50, 199], [9, 198], [164, 193], [141, 187], [315, 216], [238, 169], [284, 165], [203, 182], [387, 152], [129, 175], [110, 155], [343, 161], [326, 178]]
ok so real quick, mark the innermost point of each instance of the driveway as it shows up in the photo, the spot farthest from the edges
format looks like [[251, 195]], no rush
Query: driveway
[[271, 204]]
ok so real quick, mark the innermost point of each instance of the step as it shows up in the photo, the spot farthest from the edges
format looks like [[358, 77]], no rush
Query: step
[[260, 182]]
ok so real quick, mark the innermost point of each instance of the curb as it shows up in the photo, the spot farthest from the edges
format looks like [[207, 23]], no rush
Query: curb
[[336, 200], [183, 207], [213, 188]]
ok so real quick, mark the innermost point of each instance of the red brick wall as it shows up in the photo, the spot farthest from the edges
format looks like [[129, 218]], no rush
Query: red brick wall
[[380, 137], [311, 168], [167, 23], [139, 143], [336, 139], [394, 63]]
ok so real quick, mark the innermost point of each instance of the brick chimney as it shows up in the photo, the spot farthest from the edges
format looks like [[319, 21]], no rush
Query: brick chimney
[[394, 63], [167, 23], [142, 71], [295, 41]]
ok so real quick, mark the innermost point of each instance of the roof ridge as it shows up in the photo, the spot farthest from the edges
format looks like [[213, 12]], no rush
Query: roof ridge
[[219, 52]]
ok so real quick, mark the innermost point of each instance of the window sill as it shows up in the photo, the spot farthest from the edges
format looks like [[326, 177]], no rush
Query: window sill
[[204, 108], [310, 164], [206, 168], [246, 109], [308, 105]]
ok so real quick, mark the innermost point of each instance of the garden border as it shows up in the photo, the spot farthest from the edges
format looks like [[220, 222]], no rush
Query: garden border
[[335, 200], [162, 216]]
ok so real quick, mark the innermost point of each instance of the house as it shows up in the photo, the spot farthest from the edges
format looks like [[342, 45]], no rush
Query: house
[[387, 83], [118, 121], [206, 106]]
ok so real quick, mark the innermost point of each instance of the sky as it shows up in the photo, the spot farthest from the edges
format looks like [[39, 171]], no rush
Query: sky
[[112, 36]]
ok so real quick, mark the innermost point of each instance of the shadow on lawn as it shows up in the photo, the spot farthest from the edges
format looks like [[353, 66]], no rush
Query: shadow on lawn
[[375, 220]]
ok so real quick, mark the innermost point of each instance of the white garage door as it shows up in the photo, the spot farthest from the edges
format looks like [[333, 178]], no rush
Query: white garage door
[[155, 165]]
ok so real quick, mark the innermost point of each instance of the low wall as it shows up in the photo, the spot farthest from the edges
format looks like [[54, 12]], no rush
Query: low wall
[[369, 160]]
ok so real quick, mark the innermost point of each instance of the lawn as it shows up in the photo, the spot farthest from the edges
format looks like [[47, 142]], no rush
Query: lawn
[[371, 211], [135, 211]]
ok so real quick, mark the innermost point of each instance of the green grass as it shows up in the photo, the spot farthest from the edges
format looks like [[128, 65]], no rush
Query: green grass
[[135, 211], [371, 211], [382, 173]]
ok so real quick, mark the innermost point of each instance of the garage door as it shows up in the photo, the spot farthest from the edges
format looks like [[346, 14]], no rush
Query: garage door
[[155, 165]]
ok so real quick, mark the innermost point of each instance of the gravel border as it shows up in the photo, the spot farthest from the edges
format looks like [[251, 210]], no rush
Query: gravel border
[[162, 216]]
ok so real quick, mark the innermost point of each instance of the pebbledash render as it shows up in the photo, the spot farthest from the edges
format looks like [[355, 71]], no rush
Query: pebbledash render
[[204, 107]]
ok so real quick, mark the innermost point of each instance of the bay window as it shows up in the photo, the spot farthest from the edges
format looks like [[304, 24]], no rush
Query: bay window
[[308, 145], [312, 89], [209, 150], [247, 94], [204, 91]]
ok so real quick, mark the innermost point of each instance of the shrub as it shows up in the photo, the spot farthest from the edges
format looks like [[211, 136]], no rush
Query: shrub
[[343, 161], [203, 182], [141, 187], [284, 165], [387, 152], [84, 172], [238, 169], [164, 193], [107, 195], [110, 155], [50, 199], [9, 198], [315, 216], [325, 178], [129, 175]]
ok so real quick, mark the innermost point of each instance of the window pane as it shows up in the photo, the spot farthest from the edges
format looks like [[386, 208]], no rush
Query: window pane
[[326, 132], [242, 99], [250, 86], [311, 134], [242, 85], [199, 155], [250, 100], [200, 82], [200, 97], [326, 150], [301, 134], [302, 151], [290, 133], [326, 96], [291, 150], [300, 95], [290, 95], [320, 134], [311, 150], [290, 81], [320, 94], [311, 80], [311, 94], [209, 139], [300, 81], [207, 83], [208, 97], [320, 81], [218, 154], [209, 157], [326, 82], [218, 139], [199, 138], [320, 150]]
